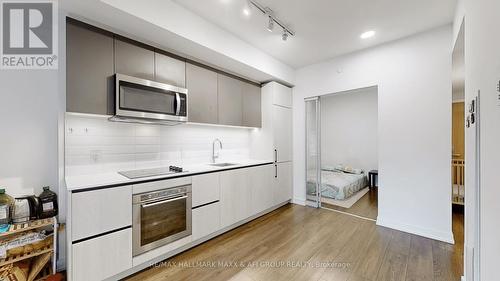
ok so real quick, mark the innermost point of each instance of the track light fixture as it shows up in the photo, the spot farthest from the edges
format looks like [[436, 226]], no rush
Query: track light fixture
[[284, 36], [270, 25], [273, 20]]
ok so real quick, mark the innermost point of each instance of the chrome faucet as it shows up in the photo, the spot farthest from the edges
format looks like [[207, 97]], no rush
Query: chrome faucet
[[213, 150]]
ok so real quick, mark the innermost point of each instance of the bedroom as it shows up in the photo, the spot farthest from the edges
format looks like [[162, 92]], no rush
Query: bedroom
[[348, 157]]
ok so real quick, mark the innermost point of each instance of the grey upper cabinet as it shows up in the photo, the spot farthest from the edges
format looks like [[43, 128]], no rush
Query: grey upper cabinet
[[202, 94], [252, 108], [95, 55], [230, 99], [170, 70], [134, 60], [89, 72]]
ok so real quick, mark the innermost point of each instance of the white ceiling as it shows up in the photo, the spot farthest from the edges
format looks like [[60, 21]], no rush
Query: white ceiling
[[325, 28]]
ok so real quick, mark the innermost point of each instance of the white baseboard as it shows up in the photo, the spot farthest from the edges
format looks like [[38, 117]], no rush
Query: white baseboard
[[299, 201], [428, 233]]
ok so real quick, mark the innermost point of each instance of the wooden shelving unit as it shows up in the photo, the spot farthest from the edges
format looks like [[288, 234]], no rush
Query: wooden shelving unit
[[21, 227], [14, 259], [31, 225]]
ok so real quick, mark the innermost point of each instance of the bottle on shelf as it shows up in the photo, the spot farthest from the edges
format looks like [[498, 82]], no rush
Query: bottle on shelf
[[48, 203]]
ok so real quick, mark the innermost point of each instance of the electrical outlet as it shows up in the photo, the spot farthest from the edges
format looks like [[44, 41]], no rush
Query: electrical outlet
[[95, 155]]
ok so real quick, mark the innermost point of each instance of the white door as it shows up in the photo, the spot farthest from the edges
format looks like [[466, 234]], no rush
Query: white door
[[282, 132], [283, 182], [206, 220], [282, 95], [235, 196], [260, 181], [102, 257], [313, 152]]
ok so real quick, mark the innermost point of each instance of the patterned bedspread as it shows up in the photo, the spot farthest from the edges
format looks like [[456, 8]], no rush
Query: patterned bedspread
[[337, 185]]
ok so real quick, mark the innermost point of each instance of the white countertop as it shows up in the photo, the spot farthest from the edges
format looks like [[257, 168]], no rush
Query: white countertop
[[79, 182]]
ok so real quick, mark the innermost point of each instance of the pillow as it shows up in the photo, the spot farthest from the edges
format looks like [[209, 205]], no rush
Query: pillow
[[328, 168], [348, 169], [340, 167], [357, 171]]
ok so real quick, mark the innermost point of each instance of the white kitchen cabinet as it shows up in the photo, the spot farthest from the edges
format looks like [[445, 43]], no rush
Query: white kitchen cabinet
[[282, 95], [274, 139], [98, 211], [206, 220], [235, 196], [282, 182], [102, 257], [282, 132], [206, 189], [260, 181]]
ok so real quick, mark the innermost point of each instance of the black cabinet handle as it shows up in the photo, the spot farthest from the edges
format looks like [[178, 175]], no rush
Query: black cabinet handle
[[275, 155], [276, 171]]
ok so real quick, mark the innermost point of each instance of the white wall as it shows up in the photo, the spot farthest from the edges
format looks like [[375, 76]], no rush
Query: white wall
[[349, 129], [482, 66], [458, 18], [28, 125], [414, 90], [96, 145]]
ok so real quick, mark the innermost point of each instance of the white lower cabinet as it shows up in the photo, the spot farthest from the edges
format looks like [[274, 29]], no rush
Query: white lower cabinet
[[282, 182], [235, 196], [206, 220], [220, 199], [102, 257], [206, 189], [98, 211], [260, 181]]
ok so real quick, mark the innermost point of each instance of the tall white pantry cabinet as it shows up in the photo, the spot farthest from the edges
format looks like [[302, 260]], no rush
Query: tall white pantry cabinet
[[274, 139]]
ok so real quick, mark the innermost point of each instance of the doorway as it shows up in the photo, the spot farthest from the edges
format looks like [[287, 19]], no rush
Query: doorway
[[342, 152], [458, 186]]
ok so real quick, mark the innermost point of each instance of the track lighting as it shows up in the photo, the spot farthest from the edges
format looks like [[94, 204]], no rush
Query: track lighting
[[270, 25], [271, 19], [284, 36]]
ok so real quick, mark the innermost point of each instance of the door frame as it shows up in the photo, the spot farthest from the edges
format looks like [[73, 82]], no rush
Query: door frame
[[317, 202]]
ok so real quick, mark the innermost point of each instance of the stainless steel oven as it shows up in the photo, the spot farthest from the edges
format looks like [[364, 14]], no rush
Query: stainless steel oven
[[145, 101], [160, 217]]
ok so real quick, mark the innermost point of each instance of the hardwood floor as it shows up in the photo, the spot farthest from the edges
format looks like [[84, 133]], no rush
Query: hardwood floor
[[366, 206], [301, 243]]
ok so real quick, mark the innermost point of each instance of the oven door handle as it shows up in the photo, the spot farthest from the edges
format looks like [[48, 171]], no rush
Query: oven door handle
[[163, 201]]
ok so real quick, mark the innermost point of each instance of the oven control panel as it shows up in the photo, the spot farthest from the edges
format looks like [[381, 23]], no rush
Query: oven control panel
[[164, 193]]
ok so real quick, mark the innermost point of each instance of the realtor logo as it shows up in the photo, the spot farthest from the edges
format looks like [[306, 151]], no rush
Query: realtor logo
[[29, 33]]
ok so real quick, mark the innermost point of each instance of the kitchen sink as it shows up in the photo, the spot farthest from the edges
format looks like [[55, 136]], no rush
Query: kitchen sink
[[223, 164]]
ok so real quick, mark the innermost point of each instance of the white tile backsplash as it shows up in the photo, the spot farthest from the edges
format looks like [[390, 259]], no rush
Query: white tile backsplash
[[96, 145]]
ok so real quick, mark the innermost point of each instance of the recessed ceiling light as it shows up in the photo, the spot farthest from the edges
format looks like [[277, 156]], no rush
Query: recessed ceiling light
[[368, 34], [246, 12]]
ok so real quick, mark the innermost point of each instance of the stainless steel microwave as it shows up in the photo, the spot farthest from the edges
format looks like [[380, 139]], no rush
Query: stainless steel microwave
[[144, 101]]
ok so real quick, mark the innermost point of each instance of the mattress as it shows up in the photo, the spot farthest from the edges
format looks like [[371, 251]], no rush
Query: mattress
[[337, 185]]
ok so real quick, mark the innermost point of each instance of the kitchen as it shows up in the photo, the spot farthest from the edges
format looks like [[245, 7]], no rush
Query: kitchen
[[180, 152], [164, 136]]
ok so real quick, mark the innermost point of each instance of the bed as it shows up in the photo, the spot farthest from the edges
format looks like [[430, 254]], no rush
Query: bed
[[337, 184]]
